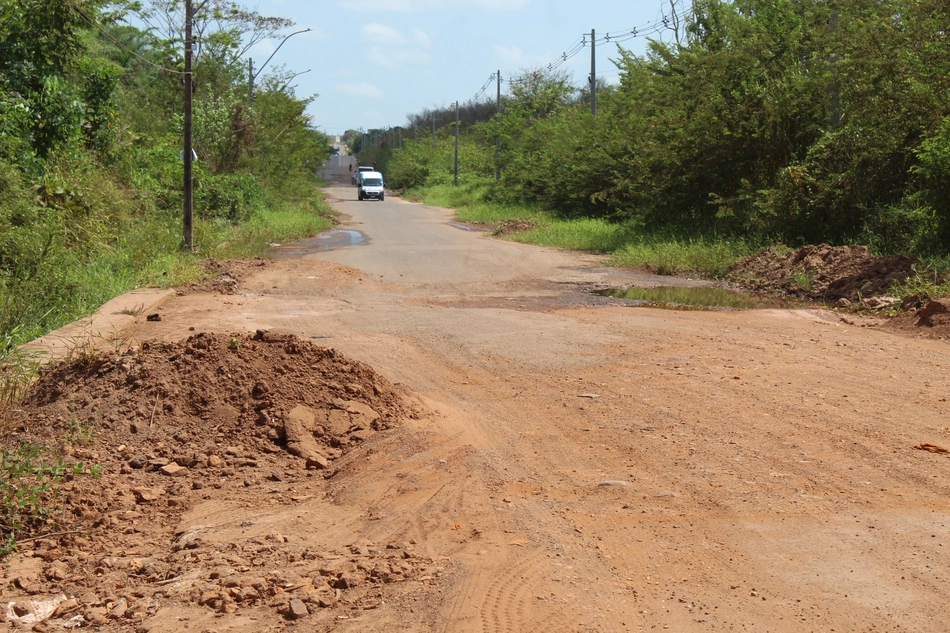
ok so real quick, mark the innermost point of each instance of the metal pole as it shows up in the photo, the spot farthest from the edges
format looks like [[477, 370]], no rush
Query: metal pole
[[498, 118], [456, 181], [433, 130], [187, 223], [593, 73]]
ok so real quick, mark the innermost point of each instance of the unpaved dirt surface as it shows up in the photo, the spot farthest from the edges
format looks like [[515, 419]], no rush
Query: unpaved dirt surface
[[540, 461], [828, 272]]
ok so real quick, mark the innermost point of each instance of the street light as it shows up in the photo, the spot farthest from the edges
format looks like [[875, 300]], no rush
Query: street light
[[251, 75]]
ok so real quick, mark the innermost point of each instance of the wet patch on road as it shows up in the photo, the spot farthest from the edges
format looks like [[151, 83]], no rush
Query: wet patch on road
[[698, 298], [475, 228], [331, 240]]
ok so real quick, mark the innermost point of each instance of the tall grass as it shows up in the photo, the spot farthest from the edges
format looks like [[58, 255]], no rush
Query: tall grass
[[674, 256], [627, 244]]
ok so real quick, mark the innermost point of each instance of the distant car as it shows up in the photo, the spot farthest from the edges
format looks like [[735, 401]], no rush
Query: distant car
[[355, 178], [370, 186]]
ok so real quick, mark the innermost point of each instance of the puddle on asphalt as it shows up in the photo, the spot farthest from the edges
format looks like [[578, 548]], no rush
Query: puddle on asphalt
[[697, 298], [468, 227], [337, 238]]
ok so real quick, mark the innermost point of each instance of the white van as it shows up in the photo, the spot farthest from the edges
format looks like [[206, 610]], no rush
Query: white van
[[370, 186]]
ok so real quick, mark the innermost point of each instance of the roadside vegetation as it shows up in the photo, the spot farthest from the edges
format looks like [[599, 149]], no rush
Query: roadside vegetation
[[756, 123], [90, 140]]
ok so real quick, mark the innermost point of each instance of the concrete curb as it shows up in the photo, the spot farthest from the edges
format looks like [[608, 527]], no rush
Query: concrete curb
[[111, 326]]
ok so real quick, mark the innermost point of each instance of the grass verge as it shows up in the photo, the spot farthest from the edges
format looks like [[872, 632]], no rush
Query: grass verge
[[626, 243]]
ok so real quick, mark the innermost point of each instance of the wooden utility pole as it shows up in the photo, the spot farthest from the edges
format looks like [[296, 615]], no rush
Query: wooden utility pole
[[456, 181], [498, 118], [433, 130], [593, 73], [187, 151], [250, 81]]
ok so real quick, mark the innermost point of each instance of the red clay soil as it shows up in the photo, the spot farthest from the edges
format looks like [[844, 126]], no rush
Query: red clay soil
[[168, 423], [833, 272]]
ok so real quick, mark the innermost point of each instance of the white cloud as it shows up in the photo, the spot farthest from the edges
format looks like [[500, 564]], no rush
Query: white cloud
[[514, 57], [362, 90], [396, 57], [421, 38], [409, 6], [389, 48], [383, 35]]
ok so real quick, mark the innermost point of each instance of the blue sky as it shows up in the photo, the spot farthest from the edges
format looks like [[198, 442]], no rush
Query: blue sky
[[374, 61]]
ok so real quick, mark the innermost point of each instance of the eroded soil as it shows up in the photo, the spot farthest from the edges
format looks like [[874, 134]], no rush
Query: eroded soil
[[393, 453]]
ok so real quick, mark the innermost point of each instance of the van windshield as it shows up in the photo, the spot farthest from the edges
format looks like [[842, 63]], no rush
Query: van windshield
[[372, 182]]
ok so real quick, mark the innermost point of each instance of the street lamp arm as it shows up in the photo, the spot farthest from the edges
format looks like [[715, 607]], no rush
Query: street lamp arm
[[294, 77], [264, 65]]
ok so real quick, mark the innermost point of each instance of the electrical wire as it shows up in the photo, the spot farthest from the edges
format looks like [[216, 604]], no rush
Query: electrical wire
[[480, 93], [109, 37]]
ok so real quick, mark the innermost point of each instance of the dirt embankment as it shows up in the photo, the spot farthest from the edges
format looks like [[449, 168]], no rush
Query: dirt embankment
[[214, 417], [823, 272]]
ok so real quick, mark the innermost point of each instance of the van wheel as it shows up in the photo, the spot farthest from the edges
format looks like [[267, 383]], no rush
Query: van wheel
[[359, 196], [381, 198]]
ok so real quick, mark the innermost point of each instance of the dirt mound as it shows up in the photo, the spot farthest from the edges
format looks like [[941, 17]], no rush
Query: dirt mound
[[928, 319], [822, 272], [210, 420]]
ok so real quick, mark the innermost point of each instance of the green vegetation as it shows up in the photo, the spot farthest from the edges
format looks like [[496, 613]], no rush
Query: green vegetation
[[90, 137], [769, 122], [684, 297], [28, 489]]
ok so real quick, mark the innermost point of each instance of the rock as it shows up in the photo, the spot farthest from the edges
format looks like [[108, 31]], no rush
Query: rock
[[317, 462], [878, 303], [842, 303], [118, 610], [338, 422], [138, 461], [185, 460], [157, 463], [277, 475], [57, 571], [235, 451], [65, 607], [347, 580], [297, 609], [125, 469], [937, 311], [173, 470], [912, 301], [144, 494], [95, 616], [366, 416], [215, 461], [276, 537], [42, 627], [298, 429]]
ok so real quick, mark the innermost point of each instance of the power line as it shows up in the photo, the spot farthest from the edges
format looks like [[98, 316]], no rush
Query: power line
[[109, 37], [483, 89]]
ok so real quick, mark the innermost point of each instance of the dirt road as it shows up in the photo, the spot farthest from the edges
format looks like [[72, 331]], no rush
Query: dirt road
[[578, 466]]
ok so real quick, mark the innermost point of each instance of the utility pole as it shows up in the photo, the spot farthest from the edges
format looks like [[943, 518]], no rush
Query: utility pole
[[593, 73], [188, 225], [433, 130], [250, 82], [498, 118], [456, 181]]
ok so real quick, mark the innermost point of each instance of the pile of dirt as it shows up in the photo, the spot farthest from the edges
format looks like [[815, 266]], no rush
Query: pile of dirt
[[822, 272], [924, 318], [212, 419]]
